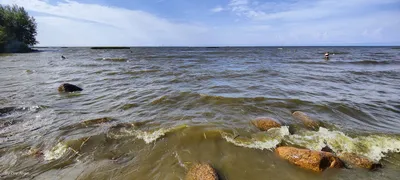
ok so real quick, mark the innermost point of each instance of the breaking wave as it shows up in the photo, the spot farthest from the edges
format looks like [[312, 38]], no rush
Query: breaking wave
[[374, 147], [151, 136], [56, 152], [267, 140]]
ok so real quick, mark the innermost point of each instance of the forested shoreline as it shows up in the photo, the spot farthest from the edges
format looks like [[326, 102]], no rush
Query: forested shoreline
[[17, 30]]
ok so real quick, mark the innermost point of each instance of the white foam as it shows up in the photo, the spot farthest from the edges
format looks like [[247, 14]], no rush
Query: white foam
[[379, 146], [254, 144], [34, 108], [147, 136], [56, 152], [270, 139], [374, 147]]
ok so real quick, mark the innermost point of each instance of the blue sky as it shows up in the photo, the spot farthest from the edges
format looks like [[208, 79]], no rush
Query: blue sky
[[214, 22]]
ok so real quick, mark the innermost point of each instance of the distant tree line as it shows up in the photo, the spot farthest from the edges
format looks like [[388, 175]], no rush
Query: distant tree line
[[17, 29]]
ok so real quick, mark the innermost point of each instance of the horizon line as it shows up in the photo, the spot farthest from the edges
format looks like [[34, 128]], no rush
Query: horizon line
[[220, 46]]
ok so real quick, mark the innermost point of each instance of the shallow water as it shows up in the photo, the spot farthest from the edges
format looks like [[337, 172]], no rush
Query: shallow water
[[172, 107]]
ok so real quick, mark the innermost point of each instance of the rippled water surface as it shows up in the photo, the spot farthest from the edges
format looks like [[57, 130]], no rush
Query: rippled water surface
[[168, 108]]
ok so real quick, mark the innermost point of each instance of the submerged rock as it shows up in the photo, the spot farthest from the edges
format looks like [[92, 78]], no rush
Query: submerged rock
[[201, 171], [307, 121], [309, 159], [66, 87], [265, 123], [359, 161]]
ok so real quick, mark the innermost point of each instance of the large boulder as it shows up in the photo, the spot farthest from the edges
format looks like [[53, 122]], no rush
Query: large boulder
[[309, 159], [66, 87], [201, 171], [307, 121], [265, 123], [359, 161]]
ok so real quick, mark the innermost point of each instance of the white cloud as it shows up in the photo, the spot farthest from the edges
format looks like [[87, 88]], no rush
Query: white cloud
[[217, 9], [72, 23], [322, 21], [301, 9], [242, 8]]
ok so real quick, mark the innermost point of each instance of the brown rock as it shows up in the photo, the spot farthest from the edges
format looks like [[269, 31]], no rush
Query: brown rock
[[265, 123], [307, 121], [308, 159], [202, 171], [359, 161], [68, 88]]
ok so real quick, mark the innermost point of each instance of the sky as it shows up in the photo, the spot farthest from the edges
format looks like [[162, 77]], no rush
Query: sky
[[214, 22]]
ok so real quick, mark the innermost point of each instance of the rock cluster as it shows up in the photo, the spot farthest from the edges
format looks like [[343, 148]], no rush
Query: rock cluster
[[314, 160]]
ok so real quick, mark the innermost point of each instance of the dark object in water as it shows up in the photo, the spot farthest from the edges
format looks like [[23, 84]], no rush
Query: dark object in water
[[327, 149], [62, 57], [6, 110], [66, 87]]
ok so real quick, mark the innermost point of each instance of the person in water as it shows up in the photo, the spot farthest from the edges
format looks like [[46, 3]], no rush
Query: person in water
[[62, 57], [327, 55]]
